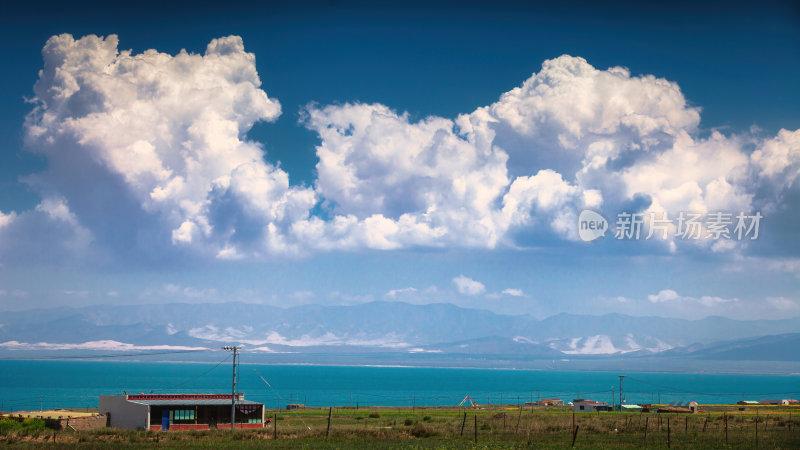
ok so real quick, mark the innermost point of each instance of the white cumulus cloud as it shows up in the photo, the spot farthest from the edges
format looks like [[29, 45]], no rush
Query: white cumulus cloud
[[513, 292], [468, 286], [396, 292], [161, 137], [668, 295]]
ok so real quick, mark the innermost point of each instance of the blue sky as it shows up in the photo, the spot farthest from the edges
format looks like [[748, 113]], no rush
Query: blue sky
[[339, 152]]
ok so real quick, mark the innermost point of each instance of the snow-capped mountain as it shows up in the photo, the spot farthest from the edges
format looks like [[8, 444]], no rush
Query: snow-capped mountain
[[376, 326]]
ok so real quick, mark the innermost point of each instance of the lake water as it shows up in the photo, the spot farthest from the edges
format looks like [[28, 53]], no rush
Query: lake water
[[24, 385]]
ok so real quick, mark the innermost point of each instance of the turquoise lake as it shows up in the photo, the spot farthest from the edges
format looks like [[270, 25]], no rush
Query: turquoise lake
[[25, 385]]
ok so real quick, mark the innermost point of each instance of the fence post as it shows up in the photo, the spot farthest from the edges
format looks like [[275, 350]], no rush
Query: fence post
[[668, 443], [330, 415], [463, 422], [275, 427], [646, 423], [726, 428], [476, 427], [756, 428], [575, 435], [519, 418]]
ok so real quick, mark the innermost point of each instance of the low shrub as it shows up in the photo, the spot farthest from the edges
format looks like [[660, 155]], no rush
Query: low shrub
[[28, 426], [374, 415], [421, 431], [8, 426], [31, 425], [408, 422]]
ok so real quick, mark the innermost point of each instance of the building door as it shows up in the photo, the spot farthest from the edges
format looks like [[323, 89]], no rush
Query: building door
[[165, 419]]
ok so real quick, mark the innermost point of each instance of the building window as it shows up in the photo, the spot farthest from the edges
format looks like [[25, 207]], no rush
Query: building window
[[182, 416]]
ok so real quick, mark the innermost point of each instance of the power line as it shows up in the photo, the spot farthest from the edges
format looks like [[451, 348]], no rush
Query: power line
[[194, 378], [278, 395]]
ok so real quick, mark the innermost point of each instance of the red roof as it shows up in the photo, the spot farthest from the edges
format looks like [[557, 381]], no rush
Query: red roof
[[589, 402], [180, 396]]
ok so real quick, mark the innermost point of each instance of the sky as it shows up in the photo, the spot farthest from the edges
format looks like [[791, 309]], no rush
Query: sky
[[342, 152]]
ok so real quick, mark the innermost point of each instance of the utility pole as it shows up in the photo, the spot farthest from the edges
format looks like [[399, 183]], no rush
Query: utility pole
[[235, 351], [620, 392]]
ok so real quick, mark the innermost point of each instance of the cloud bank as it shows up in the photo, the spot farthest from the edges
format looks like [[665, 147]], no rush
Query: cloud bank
[[147, 153]]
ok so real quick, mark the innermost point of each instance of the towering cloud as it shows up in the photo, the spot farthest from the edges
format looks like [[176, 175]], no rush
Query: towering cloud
[[150, 148]]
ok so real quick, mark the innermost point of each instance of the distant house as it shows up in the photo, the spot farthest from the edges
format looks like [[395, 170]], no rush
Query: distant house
[[584, 404], [681, 407], [291, 406], [784, 402], [179, 411], [631, 408], [747, 402], [550, 402]]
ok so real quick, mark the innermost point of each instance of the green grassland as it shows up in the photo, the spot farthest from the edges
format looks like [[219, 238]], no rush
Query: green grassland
[[497, 427]]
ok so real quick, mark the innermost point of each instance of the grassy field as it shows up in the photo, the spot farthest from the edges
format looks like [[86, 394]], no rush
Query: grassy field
[[450, 428]]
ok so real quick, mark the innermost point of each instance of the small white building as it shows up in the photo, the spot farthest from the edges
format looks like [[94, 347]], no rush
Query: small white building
[[584, 404], [162, 412]]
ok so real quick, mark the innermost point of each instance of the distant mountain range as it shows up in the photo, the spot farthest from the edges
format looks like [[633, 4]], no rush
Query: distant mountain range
[[393, 327]]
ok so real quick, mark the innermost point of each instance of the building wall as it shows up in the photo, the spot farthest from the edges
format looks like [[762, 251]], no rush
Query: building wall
[[586, 407], [125, 414], [83, 423], [182, 427], [241, 426], [185, 426]]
